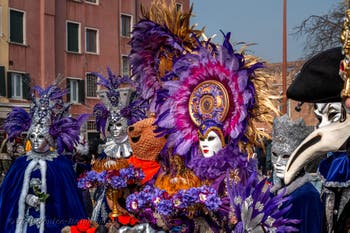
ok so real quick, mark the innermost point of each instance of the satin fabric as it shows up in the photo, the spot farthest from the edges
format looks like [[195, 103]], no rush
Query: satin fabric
[[63, 207]]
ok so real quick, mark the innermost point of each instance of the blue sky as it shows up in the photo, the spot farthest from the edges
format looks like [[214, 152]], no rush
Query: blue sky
[[258, 21]]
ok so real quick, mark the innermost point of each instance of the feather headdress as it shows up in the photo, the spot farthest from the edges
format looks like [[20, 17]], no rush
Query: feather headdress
[[50, 112], [120, 102], [213, 83], [157, 41]]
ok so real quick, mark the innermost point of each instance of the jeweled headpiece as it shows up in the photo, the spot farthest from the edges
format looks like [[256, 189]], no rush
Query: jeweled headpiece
[[50, 113], [288, 134], [120, 101]]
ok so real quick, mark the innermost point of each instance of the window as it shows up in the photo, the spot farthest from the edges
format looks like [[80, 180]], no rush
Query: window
[[125, 66], [91, 85], [125, 25], [73, 37], [18, 85], [17, 29], [16, 82], [76, 90], [92, 1], [91, 126], [179, 7], [2, 81], [91, 40]]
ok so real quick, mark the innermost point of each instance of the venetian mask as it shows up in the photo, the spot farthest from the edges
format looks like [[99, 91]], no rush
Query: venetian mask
[[210, 144], [118, 129], [279, 164], [37, 140], [328, 113]]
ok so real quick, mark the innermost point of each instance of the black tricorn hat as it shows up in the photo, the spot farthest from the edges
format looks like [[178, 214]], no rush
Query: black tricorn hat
[[318, 80]]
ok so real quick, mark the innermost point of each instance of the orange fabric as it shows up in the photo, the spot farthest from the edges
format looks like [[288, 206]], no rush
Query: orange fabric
[[127, 220], [74, 229], [91, 230], [83, 225], [149, 168]]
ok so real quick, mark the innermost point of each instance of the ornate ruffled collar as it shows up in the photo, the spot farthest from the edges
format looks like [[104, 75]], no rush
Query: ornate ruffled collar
[[48, 156]]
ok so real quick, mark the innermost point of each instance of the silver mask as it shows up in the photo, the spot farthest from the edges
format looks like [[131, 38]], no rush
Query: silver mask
[[118, 128], [38, 137], [286, 137]]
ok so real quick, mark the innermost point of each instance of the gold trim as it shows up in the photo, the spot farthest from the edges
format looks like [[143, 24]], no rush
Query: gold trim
[[220, 103]]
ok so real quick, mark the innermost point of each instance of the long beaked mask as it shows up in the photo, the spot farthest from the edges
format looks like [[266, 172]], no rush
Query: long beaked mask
[[326, 139]]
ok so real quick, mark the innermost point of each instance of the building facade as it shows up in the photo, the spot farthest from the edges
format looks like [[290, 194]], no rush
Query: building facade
[[46, 40]]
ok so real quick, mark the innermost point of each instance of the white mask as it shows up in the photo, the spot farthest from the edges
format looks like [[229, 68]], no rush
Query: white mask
[[38, 142], [328, 113], [279, 164], [210, 145]]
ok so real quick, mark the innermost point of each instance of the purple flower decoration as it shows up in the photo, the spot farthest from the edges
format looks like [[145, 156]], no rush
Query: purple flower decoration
[[165, 207], [117, 182], [111, 178]]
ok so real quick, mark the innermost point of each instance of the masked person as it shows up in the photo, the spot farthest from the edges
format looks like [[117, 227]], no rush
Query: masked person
[[319, 82], [118, 109], [39, 193], [304, 197]]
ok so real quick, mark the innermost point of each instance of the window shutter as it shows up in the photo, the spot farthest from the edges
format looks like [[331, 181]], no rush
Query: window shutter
[[2, 81], [73, 37], [26, 86], [16, 26], [81, 91], [9, 84], [68, 90]]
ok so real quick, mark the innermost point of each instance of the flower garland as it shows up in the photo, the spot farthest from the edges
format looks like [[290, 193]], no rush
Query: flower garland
[[115, 179], [164, 204]]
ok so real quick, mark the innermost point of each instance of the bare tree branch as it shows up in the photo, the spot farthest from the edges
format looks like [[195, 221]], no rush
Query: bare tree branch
[[322, 32]]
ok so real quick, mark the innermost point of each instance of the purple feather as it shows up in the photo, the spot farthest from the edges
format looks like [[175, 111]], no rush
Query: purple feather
[[255, 198], [17, 121], [149, 42], [101, 113], [66, 132]]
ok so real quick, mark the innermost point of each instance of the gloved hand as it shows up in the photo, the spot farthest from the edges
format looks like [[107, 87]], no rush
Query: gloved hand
[[32, 200]]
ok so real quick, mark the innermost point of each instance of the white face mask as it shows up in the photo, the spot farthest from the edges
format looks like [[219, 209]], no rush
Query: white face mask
[[210, 145], [328, 113], [279, 164], [38, 141]]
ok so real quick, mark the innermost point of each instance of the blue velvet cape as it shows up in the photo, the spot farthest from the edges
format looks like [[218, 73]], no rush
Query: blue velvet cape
[[63, 207], [307, 207]]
